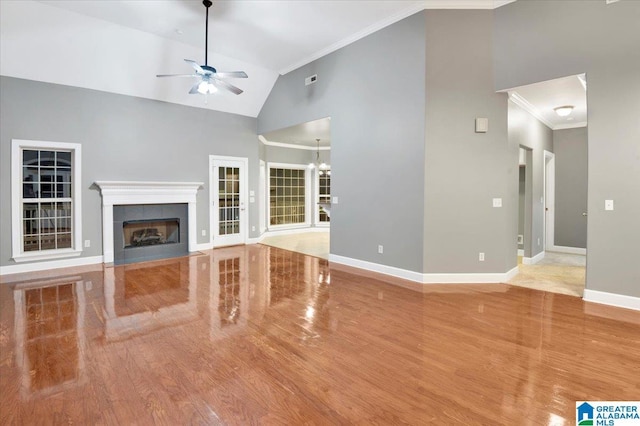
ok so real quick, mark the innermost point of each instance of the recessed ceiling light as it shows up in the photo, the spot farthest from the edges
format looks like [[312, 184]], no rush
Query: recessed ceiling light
[[563, 111], [179, 31]]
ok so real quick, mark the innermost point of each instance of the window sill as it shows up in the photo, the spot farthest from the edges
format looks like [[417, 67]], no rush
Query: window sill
[[48, 255]]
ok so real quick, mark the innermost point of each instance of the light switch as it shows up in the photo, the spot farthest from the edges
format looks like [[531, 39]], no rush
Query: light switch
[[335, 200], [608, 204], [482, 125], [497, 202], [252, 199], [252, 193]]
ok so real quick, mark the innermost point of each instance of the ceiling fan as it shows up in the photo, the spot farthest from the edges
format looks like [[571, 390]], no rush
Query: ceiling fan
[[210, 78]]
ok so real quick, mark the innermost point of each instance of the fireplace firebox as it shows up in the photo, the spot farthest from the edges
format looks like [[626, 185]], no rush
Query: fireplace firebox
[[149, 231]]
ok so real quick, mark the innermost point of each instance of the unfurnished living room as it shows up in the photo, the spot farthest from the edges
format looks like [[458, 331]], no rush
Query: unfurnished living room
[[319, 212]]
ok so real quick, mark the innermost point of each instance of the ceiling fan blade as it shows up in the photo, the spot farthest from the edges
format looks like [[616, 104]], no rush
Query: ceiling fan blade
[[195, 66], [224, 85], [177, 75], [194, 89], [231, 74]]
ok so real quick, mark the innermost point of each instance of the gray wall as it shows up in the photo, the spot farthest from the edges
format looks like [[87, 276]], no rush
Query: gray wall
[[123, 138], [527, 131], [537, 41], [466, 170], [570, 147], [373, 90]]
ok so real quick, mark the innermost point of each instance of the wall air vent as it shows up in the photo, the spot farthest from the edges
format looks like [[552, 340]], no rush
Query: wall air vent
[[611, 1], [310, 80]]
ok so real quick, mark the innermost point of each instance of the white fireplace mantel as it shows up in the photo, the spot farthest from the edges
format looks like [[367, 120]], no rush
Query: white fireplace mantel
[[116, 193]]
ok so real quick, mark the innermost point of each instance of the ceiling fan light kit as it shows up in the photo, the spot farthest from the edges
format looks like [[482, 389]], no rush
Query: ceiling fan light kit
[[210, 79]]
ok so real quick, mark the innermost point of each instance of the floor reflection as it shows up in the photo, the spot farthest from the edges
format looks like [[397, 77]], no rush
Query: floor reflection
[[49, 334], [149, 295], [260, 335]]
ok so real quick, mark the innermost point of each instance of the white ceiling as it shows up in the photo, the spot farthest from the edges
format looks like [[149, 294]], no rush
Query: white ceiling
[[540, 99], [277, 35], [119, 46], [303, 135]]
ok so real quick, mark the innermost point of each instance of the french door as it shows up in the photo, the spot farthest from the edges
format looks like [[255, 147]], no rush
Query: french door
[[228, 183]]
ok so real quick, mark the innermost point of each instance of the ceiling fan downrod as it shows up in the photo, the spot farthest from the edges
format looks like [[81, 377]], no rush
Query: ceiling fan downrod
[[207, 4]]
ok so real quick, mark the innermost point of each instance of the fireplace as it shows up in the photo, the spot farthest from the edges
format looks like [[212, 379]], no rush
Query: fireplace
[[161, 215], [149, 231]]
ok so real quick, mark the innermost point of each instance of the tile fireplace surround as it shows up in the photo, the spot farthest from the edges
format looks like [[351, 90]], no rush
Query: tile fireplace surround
[[131, 193]]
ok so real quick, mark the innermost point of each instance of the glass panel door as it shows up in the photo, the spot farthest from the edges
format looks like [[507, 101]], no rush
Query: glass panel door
[[228, 205]]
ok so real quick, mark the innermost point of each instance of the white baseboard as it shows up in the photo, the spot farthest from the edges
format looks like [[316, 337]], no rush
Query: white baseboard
[[255, 240], [54, 264], [612, 299], [520, 252], [426, 278], [376, 267], [569, 250], [533, 260]]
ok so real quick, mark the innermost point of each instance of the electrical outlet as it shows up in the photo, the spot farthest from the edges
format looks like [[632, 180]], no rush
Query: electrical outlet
[[87, 243], [204, 232], [253, 228], [497, 202], [608, 204], [481, 257], [538, 241], [380, 249], [335, 200]]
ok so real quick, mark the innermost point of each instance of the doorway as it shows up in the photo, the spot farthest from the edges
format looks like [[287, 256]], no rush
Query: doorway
[[548, 121], [297, 185], [228, 195]]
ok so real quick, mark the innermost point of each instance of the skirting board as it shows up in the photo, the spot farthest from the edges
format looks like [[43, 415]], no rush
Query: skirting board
[[204, 246], [618, 300], [426, 278], [54, 264], [569, 250], [533, 260]]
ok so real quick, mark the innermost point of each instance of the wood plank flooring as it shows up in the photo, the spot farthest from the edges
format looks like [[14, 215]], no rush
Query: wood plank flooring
[[259, 335]]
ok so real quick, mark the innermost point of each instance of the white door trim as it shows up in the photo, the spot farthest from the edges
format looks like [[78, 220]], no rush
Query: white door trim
[[549, 208], [213, 200]]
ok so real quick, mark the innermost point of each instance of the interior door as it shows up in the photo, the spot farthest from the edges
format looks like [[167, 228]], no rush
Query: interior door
[[228, 195]]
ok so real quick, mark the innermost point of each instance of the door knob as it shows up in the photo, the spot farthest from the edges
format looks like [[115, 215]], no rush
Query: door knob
[[584, 214]]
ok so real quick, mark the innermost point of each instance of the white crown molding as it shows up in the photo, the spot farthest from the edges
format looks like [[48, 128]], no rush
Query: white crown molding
[[612, 299], [426, 4], [570, 125], [525, 105], [291, 145]]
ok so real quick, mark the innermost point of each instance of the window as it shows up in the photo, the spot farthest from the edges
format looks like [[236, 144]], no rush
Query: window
[[45, 200], [324, 195], [287, 195]]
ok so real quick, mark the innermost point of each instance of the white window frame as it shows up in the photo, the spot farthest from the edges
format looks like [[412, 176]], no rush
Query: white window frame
[[307, 195], [18, 254]]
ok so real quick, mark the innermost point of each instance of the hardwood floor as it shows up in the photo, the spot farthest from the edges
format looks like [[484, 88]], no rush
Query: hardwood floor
[[259, 335]]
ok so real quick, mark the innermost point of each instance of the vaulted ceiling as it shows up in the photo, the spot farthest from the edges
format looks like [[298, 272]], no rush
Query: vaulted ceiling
[[119, 46]]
